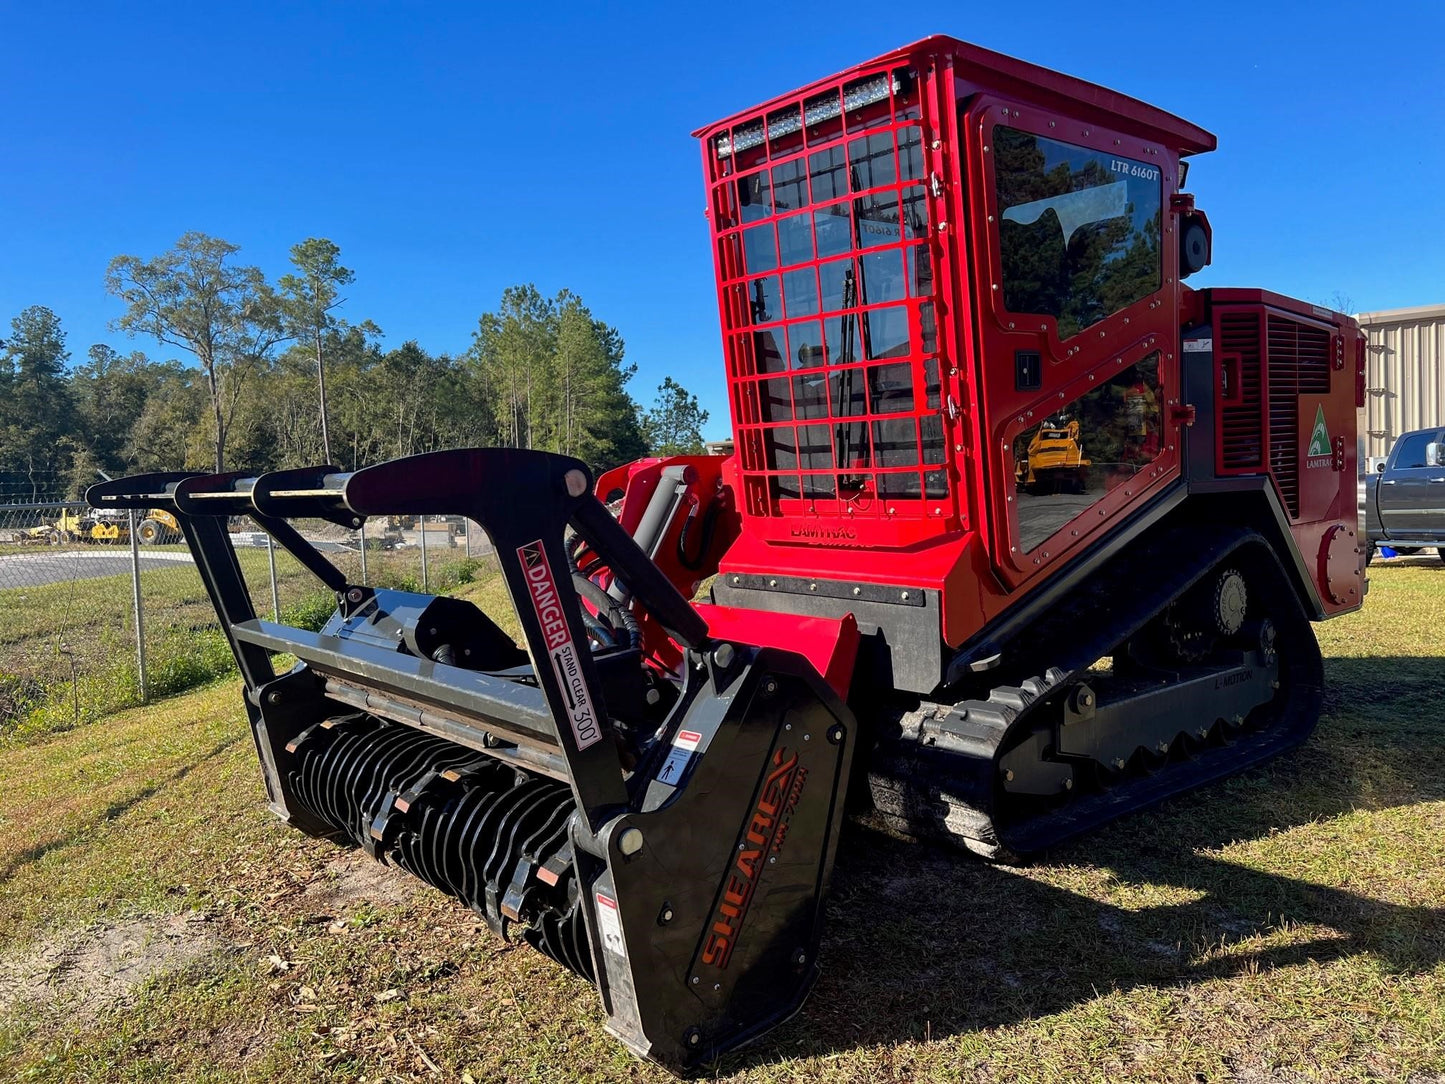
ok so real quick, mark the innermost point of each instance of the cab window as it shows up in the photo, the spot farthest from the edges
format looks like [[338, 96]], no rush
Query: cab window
[[1078, 229], [1412, 450], [1084, 449]]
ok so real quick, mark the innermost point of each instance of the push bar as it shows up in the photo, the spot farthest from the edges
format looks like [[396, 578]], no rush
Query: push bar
[[524, 500]]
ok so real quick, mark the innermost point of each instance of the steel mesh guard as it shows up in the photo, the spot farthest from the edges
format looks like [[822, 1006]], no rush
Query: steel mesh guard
[[490, 835]]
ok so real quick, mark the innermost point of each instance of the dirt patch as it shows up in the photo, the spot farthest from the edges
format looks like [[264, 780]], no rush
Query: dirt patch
[[95, 968], [351, 879]]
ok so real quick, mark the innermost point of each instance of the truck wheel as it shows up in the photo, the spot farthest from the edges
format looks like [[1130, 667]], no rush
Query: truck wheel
[[149, 532], [1369, 553]]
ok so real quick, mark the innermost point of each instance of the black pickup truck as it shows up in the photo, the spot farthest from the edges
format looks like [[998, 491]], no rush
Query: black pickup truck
[[1405, 501]]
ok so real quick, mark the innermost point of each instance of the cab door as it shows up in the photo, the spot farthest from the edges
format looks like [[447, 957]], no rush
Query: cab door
[[1075, 250], [1412, 491]]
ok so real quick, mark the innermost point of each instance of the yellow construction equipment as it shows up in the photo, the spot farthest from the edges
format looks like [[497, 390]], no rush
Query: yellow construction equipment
[[72, 526], [104, 526], [1056, 459], [159, 526]]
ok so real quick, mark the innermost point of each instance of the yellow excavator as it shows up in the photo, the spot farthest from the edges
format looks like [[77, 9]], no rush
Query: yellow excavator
[[1055, 460], [159, 526]]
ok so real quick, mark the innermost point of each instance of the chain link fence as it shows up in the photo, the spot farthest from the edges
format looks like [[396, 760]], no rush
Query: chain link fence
[[100, 611]]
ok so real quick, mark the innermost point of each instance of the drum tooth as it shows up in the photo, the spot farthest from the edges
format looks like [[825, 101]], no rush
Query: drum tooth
[[460, 821]]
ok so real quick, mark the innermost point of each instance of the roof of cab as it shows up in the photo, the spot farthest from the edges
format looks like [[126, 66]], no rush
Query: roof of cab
[[1030, 82]]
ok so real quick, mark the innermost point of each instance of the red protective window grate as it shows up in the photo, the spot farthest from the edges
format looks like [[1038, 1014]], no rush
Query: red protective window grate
[[826, 273]]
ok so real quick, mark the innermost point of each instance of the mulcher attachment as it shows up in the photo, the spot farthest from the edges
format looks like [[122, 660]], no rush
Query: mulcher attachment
[[666, 834]]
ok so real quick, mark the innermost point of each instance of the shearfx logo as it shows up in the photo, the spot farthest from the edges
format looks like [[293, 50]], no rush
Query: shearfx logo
[[766, 834]]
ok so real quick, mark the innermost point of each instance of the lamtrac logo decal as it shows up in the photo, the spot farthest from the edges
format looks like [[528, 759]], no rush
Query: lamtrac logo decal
[[561, 651], [1320, 435]]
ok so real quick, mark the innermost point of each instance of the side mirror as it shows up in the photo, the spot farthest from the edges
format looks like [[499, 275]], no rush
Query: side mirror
[[1195, 244], [1433, 454]]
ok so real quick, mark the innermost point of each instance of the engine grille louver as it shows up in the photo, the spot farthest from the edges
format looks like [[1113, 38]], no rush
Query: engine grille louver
[[1260, 428], [1241, 448], [1299, 363]]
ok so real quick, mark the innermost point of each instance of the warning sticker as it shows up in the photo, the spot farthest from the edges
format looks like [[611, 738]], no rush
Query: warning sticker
[[1198, 346], [610, 924], [683, 747], [561, 651]]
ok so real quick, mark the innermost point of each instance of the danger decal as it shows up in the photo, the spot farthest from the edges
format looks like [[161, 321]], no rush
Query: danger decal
[[767, 833], [610, 924], [561, 651]]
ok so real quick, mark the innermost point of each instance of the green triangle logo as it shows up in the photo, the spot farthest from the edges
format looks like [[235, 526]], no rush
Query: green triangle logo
[[1320, 438]]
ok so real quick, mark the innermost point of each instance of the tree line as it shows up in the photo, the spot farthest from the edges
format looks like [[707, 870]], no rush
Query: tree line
[[272, 374]]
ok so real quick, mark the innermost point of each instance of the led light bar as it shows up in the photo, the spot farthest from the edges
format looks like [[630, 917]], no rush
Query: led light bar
[[815, 111]]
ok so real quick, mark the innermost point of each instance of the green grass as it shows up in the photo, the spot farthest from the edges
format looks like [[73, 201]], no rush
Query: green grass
[[1288, 924], [67, 650], [8, 549]]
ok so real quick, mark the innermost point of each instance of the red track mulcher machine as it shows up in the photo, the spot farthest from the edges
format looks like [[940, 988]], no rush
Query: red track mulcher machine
[[921, 262]]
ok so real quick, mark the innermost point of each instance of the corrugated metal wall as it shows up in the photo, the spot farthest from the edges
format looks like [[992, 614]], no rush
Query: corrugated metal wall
[[1404, 374]]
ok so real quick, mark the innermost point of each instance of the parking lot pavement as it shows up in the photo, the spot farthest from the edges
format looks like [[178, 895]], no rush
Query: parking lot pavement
[[56, 566]]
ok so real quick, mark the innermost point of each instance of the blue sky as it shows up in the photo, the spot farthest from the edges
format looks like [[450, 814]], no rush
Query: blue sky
[[454, 149]]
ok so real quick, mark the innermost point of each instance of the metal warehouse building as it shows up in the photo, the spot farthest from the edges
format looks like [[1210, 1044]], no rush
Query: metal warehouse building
[[1404, 374]]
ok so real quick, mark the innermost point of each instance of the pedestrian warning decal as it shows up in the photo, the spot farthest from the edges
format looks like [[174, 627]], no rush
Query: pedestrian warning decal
[[1320, 437], [678, 759]]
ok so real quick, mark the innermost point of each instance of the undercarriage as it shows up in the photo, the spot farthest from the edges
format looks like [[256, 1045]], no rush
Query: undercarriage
[[1159, 684]]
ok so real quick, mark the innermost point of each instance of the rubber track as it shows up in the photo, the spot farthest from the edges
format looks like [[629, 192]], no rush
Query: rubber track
[[940, 778]]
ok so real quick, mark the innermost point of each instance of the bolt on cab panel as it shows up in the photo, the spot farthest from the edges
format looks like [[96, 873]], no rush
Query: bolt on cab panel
[[1078, 321]]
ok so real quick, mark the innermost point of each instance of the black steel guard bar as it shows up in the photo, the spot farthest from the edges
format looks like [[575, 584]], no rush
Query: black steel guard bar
[[516, 711], [524, 500]]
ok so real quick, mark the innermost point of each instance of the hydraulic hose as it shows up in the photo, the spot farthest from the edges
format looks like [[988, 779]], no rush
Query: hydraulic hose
[[618, 616]]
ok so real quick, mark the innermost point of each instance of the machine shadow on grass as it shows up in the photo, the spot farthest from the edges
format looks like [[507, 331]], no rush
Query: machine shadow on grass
[[114, 810], [923, 940]]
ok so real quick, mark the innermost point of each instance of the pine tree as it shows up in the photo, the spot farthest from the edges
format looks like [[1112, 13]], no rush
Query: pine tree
[[674, 424], [36, 409]]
